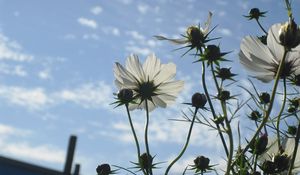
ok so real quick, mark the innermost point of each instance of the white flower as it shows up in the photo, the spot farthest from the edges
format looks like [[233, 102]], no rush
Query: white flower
[[152, 82], [286, 152], [263, 60]]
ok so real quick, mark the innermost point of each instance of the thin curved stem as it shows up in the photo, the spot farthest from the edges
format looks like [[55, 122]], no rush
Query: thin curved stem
[[146, 136], [212, 109], [262, 28], [185, 145], [134, 135], [270, 107], [280, 112]]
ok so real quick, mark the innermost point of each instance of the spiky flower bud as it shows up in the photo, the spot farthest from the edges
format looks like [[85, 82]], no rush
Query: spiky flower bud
[[201, 164], [289, 34], [125, 95], [199, 100], [282, 162], [255, 13], [224, 73], [264, 98], [255, 115], [195, 36], [224, 95], [146, 162], [103, 169], [259, 145]]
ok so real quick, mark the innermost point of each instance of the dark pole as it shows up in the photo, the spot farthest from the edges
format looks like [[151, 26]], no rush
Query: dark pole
[[70, 155], [77, 169]]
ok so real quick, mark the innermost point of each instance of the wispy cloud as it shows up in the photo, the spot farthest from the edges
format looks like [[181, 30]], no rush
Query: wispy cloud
[[87, 22], [143, 8], [225, 31], [96, 10], [12, 50], [17, 70], [32, 99]]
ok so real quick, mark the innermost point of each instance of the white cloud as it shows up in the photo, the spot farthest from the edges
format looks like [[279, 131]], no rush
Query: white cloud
[[45, 153], [11, 50], [87, 22], [143, 8], [32, 99], [45, 74], [135, 35], [96, 10], [17, 70], [225, 31], [92, 36], [138, 50], [91, 95], [111, 30]]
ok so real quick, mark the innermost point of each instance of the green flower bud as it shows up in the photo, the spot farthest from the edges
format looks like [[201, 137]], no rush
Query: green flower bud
[[264, 98], [146, 162], [281, 162], [289, 34], [125, 95], [268, 167], [255, 13], [224, 95], [103, 169], [195, 36], [255, 115], [224, 73], [292, 130], [199, 100], [201, 164], [259, 145]]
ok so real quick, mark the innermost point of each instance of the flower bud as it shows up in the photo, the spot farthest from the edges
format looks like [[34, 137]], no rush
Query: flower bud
[[292, 109], [224, 73], [146, 161], [213, 53], [259, 145], [103, 169], [125, 95], [201, 163], [264, 98], [199, 100], [224, 95], [255, 115], [289, 34], [268, 167], [292, 130], [281, 162], [195, 36], [255, 13]]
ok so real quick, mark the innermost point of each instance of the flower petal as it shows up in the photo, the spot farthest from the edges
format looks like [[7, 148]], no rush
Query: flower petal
[[166, 73], [273, 42], [134, 67], [151, 67]]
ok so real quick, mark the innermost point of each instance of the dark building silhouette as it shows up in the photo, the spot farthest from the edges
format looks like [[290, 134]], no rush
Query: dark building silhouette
[[14, 167]]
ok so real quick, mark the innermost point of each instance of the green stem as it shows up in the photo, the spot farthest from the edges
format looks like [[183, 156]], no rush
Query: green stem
[[134, 135], [280, 112], [186, 143], [146, 137], [212, 108], [230, 136], [297, 138], [270, 107], [261, 27]]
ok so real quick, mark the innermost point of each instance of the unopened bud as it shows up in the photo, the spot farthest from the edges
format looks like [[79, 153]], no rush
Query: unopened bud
[[199, 100], [125, 95], [103, 169], [201, 163], [264, 98], [289, 34]]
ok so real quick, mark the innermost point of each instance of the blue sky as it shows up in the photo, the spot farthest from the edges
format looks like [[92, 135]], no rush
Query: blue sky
[[56, 78]]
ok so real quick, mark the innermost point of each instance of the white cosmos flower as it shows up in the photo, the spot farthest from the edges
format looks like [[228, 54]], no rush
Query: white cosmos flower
[[286, 150], [263, 60], [152, 82]]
